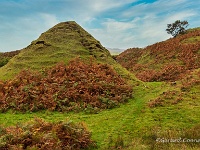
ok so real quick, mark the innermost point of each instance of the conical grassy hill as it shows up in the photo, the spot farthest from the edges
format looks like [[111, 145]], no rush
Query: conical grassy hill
[[63, 68], [62, 42], [169, 60]]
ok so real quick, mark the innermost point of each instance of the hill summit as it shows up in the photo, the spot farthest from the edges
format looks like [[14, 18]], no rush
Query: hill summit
[[70, 35], [68, 70], [62, 42]]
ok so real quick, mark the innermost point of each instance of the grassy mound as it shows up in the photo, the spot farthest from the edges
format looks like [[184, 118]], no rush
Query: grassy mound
[[169, 60], [62, 42], [187, 89], [76, 86], [41, 135]]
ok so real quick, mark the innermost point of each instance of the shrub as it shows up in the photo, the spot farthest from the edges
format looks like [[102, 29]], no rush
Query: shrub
[[65, 88], [176, 28], [41, 135], [3, 61]]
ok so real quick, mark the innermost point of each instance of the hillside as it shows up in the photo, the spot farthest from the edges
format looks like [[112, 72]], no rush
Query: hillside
[[62, 42], [85, 99], [65, 69], [169, 60], [6, 56]]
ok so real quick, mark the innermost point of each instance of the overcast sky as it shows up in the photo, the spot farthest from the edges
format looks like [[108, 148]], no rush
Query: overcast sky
[[115, 23]]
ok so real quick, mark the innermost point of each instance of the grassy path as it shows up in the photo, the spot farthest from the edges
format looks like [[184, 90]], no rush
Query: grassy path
[[129, 121]]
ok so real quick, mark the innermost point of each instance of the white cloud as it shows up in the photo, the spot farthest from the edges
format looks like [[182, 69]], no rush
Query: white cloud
[[102, 5], [22, 31], [49, 20], [116, 23], [139, 32], [147, 26], [90, 10], [115, 34], [157, 7], [113, 25]]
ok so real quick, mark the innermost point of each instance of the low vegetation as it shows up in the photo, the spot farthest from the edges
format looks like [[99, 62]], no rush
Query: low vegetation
[[77, 86], [41, 135], [6, 56], [45, 82], [63, 42], [169, 60], [133, 125]]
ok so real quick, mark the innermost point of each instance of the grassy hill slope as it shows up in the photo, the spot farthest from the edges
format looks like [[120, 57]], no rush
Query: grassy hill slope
[[157, 111], [6, 56], [169, 60], [62, 42], [134, 125], [74, 83]]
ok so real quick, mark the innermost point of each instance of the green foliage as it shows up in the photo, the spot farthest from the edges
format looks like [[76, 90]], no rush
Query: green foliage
[[176, 28], [117, 143], [184, 90], [167, 98], [6, 56], [3, 61], [190, 40]]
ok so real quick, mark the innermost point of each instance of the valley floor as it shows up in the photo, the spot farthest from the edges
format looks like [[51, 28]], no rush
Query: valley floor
[[133, 125]]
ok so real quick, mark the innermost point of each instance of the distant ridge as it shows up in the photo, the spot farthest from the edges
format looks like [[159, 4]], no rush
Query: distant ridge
[[10, 54], [115, 51]]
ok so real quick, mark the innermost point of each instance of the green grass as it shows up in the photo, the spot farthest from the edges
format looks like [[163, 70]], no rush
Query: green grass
[[128, 123], [191, 40], [63, 42], [134, 124], [145, 58]]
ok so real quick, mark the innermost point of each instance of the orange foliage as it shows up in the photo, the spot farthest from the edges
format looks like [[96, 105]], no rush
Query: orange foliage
[[42, 135], [175, 56], [166, 98], [65, 88]]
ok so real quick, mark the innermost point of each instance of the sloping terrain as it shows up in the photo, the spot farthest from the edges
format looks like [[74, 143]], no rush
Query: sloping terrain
[[40, 81], [157, 112], [6, 56], [134, 125], [169, 60], [62, 42], [75, 87]]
